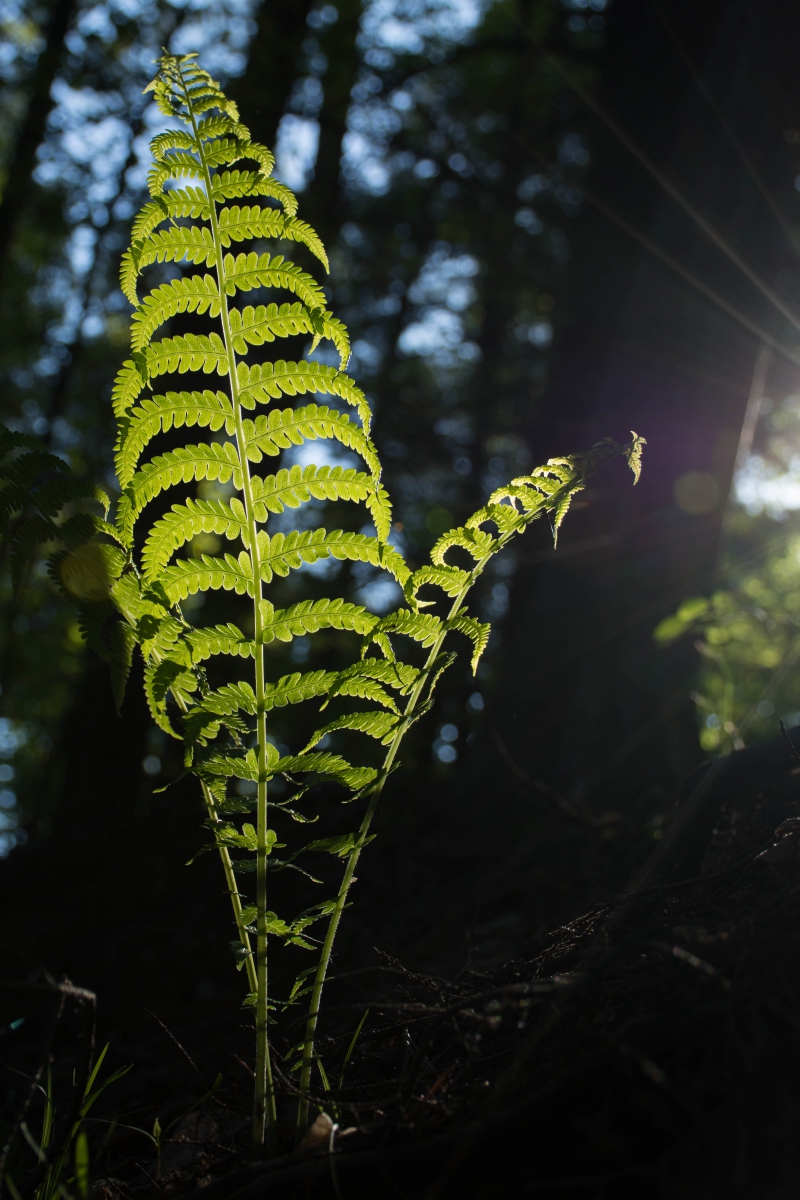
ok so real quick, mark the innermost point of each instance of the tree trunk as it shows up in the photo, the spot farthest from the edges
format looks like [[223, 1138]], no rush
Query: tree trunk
[[23, 159]]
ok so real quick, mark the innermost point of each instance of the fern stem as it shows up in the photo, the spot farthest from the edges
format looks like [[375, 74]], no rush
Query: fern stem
[[264, 1112], [363, 833], [233, 892], [230, 877]]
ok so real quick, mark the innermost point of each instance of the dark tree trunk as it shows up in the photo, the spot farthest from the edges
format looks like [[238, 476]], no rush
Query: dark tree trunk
[[264, 89], [23, 159]]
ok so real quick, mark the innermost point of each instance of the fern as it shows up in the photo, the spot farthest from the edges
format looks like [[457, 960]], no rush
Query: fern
[[212, 194], [133, 584]]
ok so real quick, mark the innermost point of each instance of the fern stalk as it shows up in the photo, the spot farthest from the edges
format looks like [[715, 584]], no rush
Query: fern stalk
[[556, 504], [264, 1113]]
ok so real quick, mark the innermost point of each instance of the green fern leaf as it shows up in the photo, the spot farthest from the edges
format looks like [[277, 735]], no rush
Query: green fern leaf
[[177, 165], [293, 689], [422, 627], [191, 352], [188, 576], [478, 631], [182, 465], [161, 678], [159, 414], [271, 381], [378, 725], [242, 224], [283, 428], [380, 507], [248, 271], [286, 552], [185, 521], [451, 580], [196, 294], [333, 765], [129, 383], [183, 202], [297, 485], [476, 542], [309, 616], [231, 185], [265, 323], [219, 639]]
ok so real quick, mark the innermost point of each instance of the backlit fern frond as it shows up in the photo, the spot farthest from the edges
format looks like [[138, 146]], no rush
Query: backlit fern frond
[[213, 204]]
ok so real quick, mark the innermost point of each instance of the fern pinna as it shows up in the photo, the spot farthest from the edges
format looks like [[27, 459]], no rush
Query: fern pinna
[[199, 207]]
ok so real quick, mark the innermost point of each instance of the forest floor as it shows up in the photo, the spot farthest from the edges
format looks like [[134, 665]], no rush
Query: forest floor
[[649, 1046]]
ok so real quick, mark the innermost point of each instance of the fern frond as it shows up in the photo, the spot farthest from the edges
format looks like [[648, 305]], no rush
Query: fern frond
[[421, 627], [184, 202], [198, 294], [285, 552], [160, 679], [283, 428], [242, 224], [398, 675], [159, 414], [219, 639], [184, 522], [295, 486], [191, 352], [188, 576], [231, 185], [203, 720], [332, 765], [477, 631], [378, 725], [451, 580], [182, 465], [130, 381], [309, 616], [294, 688], [265, 323], [180, 164], [476, 542], [270, 381], [248, 271]]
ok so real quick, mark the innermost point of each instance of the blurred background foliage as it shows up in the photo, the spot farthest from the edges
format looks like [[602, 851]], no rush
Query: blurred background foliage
[[747, 632]]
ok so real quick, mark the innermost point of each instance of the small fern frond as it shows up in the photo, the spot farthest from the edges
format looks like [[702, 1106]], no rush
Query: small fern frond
[[231, 185], [159, 414], [309, 616], [248, 271], [189, 576], [477, 631], [332, 765], [451, 580], [219, 639], [197, 294], [214, 461], [421, 627], [476, 542], [243, 224], [190, 352], [271, 381], [184, 522], [297, 485], [284, 428], [285, 552], [378, 725], [255, 326]]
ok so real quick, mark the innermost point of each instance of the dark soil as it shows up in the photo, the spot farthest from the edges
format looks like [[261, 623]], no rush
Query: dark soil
[[649, 1047]]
